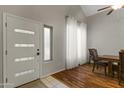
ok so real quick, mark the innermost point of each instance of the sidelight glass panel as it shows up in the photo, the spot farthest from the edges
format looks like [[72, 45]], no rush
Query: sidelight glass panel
[[47, 43]]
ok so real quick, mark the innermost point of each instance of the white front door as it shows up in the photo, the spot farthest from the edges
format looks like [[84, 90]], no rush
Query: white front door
[[22, 57]]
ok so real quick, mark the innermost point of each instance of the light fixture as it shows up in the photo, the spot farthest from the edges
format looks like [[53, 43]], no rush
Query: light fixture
[[112, 8], [115, 7]]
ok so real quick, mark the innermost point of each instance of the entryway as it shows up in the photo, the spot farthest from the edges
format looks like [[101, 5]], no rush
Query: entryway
[[21, 43]]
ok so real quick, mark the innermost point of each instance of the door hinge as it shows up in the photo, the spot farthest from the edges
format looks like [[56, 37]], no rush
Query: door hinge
[[6, 80], [6, 24], [6, 52]]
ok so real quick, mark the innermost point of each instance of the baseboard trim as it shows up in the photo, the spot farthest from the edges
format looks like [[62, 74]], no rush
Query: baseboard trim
[[52, 73]]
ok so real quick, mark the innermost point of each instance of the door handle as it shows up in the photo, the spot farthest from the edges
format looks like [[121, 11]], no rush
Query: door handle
[[38, 53]]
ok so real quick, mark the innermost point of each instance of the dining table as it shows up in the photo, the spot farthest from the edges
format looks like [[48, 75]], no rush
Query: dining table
[[110, 59]]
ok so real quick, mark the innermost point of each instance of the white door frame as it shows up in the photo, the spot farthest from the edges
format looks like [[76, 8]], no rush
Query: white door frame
[[5, 45]]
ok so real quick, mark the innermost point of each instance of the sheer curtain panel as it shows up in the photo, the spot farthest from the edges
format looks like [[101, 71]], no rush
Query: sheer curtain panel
[[76, 43]]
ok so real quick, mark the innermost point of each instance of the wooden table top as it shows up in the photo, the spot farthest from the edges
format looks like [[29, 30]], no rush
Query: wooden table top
[[109, 57]]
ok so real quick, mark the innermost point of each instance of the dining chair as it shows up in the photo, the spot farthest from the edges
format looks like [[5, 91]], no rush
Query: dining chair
[[90, 57], [115, 68], [121, 67], [97, 61]]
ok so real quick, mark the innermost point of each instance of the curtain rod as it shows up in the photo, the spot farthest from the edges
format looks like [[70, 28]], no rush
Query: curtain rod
[[77, 20], [66, 16]]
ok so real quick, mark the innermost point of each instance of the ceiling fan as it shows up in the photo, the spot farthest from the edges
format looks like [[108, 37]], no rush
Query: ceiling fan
[[112, 8]]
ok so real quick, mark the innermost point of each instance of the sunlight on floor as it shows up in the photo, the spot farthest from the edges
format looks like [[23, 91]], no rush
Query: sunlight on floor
[[51, 82]]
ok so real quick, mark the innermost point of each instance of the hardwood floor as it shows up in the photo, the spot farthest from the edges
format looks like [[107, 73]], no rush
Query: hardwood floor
[[83, 77]]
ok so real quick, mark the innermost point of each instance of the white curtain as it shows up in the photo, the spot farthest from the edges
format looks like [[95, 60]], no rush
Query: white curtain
[[75, 43], [82, 43]]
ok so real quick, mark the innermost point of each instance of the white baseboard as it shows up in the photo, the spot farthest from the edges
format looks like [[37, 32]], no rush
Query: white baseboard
[[52, 73]]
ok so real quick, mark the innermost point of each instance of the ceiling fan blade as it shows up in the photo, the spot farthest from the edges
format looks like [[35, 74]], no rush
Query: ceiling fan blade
[[122, 6], [104, 8], [110, 12]]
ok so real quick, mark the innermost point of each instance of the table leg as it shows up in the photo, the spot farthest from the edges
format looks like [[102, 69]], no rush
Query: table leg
[[110, 68]]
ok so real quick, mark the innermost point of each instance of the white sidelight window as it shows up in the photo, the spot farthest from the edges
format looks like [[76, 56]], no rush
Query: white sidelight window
[[48, 31], [76, 34]]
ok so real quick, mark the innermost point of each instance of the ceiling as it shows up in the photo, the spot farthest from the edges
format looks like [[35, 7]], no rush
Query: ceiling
[[91, 9]]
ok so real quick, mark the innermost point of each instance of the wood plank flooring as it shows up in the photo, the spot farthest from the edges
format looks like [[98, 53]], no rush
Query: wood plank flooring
[[83, 77]]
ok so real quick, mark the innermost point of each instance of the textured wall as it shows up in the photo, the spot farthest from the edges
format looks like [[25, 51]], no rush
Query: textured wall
[[106, 33]]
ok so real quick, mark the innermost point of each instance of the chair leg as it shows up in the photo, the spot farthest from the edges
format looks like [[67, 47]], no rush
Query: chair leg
[[105, 71], [119, 81], [118, 74], [93, 67], [97, 67], [113, 74]]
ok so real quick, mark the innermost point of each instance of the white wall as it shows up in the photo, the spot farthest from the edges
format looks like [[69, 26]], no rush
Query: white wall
[[77, 12], [54, 16], [106, 33], [50, 15]]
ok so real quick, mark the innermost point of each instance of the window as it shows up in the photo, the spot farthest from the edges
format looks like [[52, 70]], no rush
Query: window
[[48, 30]]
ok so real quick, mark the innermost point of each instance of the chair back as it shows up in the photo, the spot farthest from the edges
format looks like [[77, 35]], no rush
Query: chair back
[[94, 54], [121, 69]]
